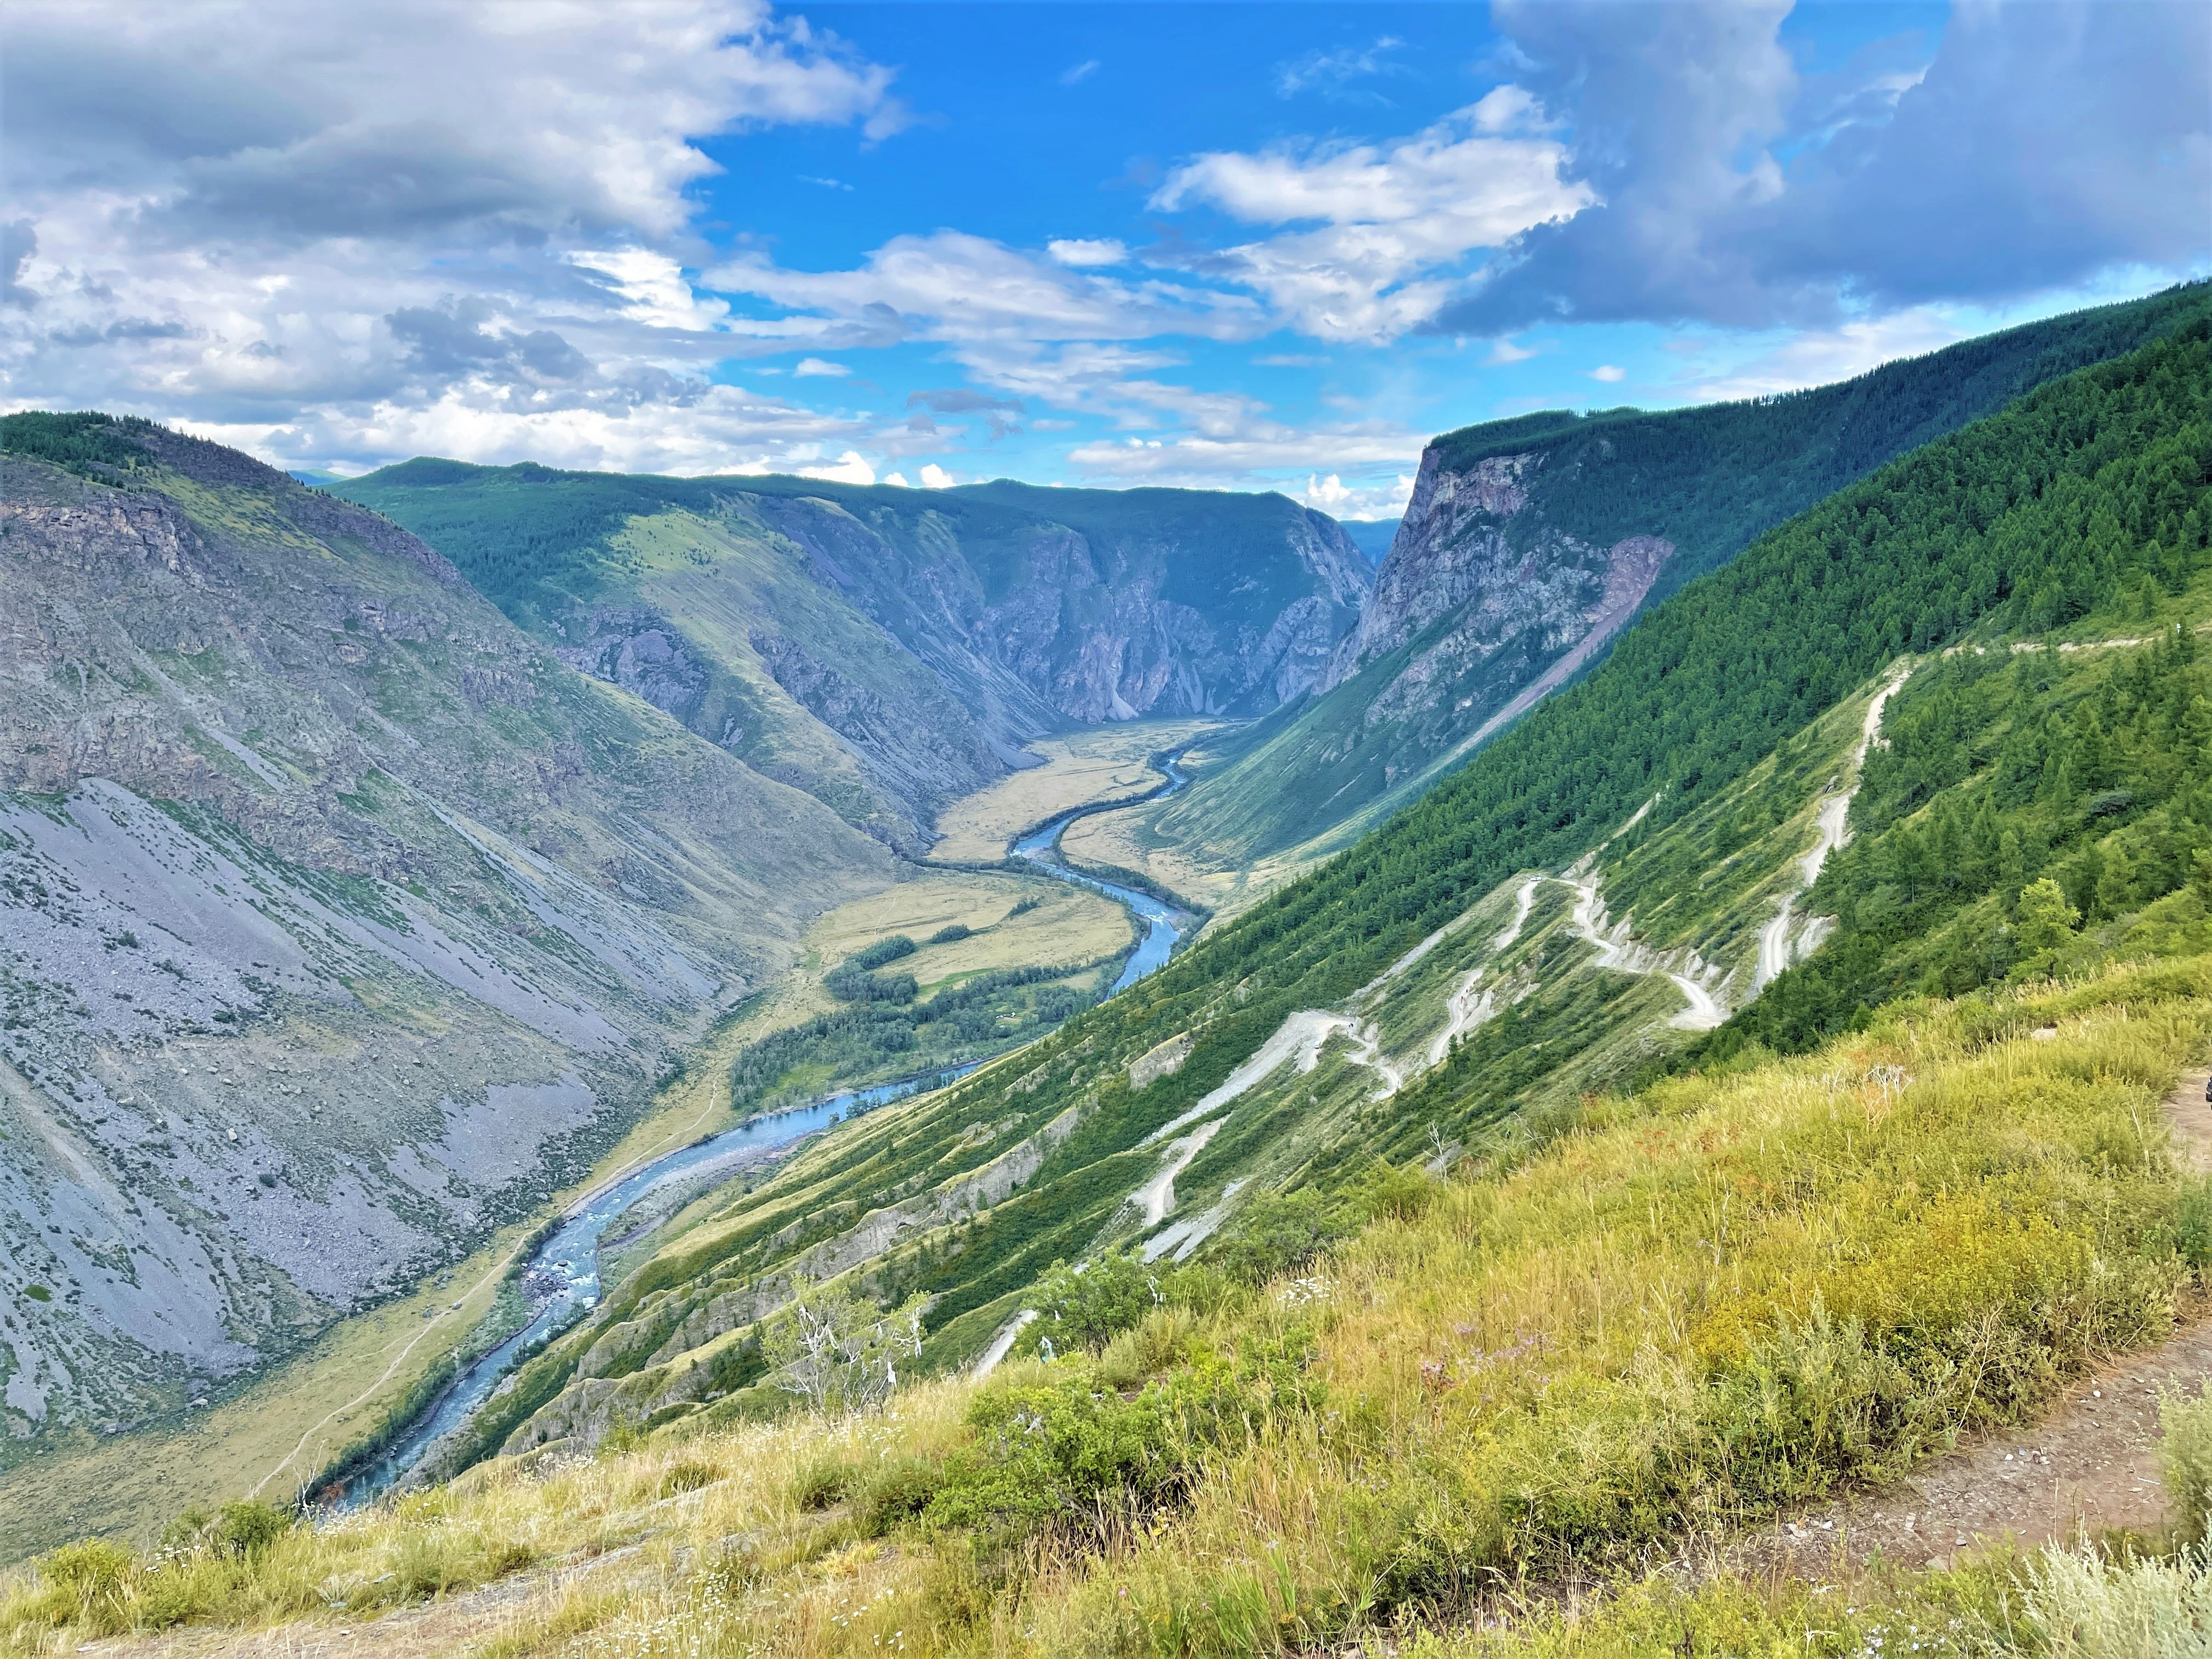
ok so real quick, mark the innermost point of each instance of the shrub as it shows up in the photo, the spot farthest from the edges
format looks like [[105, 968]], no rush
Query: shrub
[[2088, 1607], [248, 1527], [2185, 1460], [823, 1485], [2192, 1225], [85, 1581], [1081, 1309], [1062, 1453], [897, 1493], [1281, 1234], [952, 933], [883, 950]]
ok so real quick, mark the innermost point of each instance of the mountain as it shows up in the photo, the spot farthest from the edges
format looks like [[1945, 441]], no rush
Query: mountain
[[340, 922], [1529, 542], [1973, 671], [887, 649]]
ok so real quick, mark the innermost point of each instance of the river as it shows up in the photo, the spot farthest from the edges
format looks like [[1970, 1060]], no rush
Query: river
[[570, 1255], [1162, 932]]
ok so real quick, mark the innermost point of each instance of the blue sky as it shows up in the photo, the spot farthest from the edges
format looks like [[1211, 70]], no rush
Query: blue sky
[[1241, 247]]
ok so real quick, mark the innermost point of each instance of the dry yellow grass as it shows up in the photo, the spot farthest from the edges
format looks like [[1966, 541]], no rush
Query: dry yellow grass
[[1068, 925], [1099, 765]]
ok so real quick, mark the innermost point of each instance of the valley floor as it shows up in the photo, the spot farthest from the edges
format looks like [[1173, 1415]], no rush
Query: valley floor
[[280, 1431]]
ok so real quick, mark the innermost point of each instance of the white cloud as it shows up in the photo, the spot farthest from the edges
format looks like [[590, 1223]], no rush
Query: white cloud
[[1505, 352], [934, 476], [849, 468], [1816, 357], [1609, 373], [653, 289], [815, 366], [1078, 73], [721, 428], [1338, 499], [1079, 252], [1393, 223], [898, 479], [460, 229], [1259, 454], [951, 286], [1327, 70]]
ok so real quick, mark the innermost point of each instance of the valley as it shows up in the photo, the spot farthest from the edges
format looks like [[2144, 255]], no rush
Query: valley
[[1804, 912]]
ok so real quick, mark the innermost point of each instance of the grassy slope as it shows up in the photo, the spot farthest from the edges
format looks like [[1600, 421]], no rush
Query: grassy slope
[[1050, 1146], [1712, 480], [1685, 1308]]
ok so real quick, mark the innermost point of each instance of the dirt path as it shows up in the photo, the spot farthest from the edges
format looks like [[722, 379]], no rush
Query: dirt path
[[2091, 1462], [1777, 948]]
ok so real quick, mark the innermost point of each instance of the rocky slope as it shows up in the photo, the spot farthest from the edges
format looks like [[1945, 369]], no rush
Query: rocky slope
[[1528, 542], [890, 649], [339, 922]]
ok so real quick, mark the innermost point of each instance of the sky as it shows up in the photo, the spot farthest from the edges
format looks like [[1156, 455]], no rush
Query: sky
[[1243, 247]]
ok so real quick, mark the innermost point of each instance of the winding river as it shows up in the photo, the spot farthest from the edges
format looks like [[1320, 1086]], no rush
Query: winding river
[[569, 1257], [1163, 923]]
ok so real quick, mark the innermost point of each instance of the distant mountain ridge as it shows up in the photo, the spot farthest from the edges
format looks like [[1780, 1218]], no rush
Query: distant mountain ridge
[[892, 649], [1529, 542]]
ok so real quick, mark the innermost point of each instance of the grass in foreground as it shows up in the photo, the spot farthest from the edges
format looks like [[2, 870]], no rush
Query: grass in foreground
[[1730, 1293]]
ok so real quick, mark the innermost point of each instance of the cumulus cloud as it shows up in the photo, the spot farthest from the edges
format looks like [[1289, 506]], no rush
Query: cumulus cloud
[[2041, 144], [807, 367], [1609, 373], [1391, 223], [465, 224], [851, 467], [934, 476], [1338, 499]]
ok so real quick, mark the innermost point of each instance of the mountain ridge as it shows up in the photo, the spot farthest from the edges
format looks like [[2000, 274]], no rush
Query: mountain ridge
[[836, 632], [1524, 536]]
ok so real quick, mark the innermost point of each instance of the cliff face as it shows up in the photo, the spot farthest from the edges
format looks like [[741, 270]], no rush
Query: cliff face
[[892, 649], [1482, 606], [339, 922], [1468, 548]]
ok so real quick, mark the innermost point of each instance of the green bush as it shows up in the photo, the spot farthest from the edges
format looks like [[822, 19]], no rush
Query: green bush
[[2192, 1225], [952, 933], [897, 1493], [1062, 1453], [824, 1486], [85, 1581], [1282, 1234], [1081, 1309], [248, 1527], [2185, 1460]]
